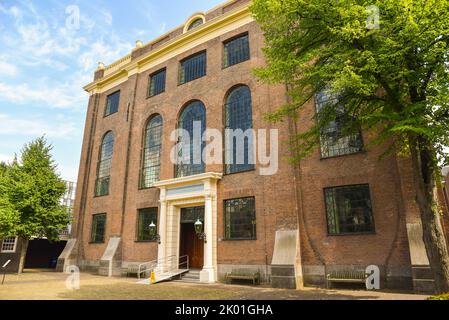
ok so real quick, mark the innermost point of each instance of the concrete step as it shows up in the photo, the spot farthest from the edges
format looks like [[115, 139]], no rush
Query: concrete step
[[187, 280], [424, 286], [192, 275], [422, 273]]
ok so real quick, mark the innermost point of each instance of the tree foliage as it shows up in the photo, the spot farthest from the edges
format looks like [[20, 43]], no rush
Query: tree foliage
[[392, 77], [395, 76], [30, 193]]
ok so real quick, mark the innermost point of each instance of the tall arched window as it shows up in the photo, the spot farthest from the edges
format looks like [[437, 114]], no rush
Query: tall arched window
[[192, 121], [151, 157], [238, 115], [104, 165]]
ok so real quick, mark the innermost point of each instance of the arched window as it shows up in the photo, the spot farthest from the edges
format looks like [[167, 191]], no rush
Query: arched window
[[195, 23], [151, 157], [238, 115], [192, 123], [104, 165]]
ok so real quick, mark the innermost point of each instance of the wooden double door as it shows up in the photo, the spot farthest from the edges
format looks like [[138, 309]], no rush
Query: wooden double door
[[190, 244]]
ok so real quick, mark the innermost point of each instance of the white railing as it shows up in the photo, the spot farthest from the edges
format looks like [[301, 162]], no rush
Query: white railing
[[183, 261], [167, 261]]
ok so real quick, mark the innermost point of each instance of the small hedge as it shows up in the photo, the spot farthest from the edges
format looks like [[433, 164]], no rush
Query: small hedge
[[444, 296]]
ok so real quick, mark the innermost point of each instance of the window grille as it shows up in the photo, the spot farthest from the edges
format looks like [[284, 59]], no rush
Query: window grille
[[9, 245], [98, 228], [193, 67], [192, 162], [145, 218], [151, 162], [112, 103], [240, 219], [195, 23], [157, 83], [349, 210], [104, 165], [236, 51], [335, 140], [238, 115]]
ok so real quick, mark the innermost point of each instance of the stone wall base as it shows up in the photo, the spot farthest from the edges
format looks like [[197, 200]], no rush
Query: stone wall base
[[396, 278]]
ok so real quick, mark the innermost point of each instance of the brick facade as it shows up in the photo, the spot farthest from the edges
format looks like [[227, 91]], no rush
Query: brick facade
[[289, 200]]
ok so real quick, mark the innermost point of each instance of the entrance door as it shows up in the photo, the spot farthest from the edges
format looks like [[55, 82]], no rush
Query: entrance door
[[190, 244]]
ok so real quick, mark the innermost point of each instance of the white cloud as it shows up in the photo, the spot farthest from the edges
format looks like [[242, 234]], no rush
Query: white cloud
[[7, 69], [68, 173], [58, 96], [35, 127], [100, 51], [6, 158]]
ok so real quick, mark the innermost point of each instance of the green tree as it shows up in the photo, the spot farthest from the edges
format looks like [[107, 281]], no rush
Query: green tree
[[392, 79], [30, 193]]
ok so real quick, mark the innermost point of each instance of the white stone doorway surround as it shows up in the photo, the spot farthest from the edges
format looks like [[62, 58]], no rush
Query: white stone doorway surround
[[185, 192]]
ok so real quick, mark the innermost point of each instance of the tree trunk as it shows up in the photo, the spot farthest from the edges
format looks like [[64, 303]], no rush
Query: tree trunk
[[433, 235], [23, 252]]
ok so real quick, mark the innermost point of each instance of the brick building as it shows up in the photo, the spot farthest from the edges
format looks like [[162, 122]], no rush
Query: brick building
[[340, 208]]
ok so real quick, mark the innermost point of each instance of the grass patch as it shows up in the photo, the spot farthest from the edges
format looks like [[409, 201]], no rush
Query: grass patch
[[165, 291], [444, 296]]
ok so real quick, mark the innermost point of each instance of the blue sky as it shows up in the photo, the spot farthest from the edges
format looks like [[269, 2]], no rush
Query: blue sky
[[45, 60]]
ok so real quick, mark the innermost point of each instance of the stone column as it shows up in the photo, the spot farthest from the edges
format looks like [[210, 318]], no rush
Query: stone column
[[207, 275], [162, 231]]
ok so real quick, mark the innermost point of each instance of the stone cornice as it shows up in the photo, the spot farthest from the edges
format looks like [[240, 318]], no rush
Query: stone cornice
[[193, 37], [190, 180]]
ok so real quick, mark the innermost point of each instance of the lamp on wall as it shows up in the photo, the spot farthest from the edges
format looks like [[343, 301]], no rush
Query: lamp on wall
[[199, 230], [153, 233]]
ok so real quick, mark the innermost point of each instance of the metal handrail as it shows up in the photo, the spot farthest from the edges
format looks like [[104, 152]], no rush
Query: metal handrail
[[150, 266], [186, 262]]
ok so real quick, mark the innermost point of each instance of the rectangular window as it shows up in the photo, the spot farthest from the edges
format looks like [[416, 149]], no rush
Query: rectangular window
[[236, 50], [144, 219], [338, 137], [240, 219], [157, 83], [193, 67], [112, 102], [98, 228], [349, 210], [9, 245]]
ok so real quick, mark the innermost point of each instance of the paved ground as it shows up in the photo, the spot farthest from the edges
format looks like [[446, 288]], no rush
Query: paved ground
[[51, 286]]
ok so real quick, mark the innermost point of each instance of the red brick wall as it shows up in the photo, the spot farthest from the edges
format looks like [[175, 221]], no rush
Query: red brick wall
[[277, 205]]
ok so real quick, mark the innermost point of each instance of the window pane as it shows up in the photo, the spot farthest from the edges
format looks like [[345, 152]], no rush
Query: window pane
[[334, 140], [152, 152], [240, 219], [195, 24], [238, 115], [191, 162], [236, 51], [193, 68], [349, 209], [157, 83], [104, 165], [9, 245], [98, 228], [112, 103], [145, 218]]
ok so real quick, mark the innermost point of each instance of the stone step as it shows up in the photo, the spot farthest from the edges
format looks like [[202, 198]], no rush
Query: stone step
[[422, 273], [424, 286], [191, 276], [188, 280]]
